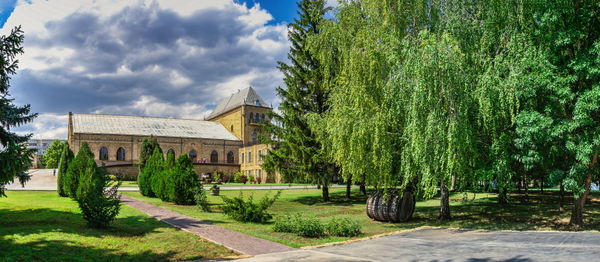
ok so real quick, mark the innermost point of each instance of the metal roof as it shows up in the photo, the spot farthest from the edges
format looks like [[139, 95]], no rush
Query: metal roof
[[149, 126], [246, 96]]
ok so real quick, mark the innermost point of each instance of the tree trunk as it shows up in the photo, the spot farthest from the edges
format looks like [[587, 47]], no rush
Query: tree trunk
[[502, 196], [325, 190], [526, 184], [578, 203], [542, 186], [519, 186], [453, 184], [444, 203], [363, 188], [562, 193], [348, 187]]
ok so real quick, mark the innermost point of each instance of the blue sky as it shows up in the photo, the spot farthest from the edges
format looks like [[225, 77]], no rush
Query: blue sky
[[6, 8]]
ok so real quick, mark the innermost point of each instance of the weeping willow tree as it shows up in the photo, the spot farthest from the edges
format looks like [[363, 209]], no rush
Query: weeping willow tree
[[438, 132]]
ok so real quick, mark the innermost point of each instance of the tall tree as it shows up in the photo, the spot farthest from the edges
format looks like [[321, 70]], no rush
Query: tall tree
[[66, 157], [83, 162], [15, 158], [296, 153], [53, 154]]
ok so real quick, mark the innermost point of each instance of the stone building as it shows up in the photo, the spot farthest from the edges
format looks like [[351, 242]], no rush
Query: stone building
[[217, 144]]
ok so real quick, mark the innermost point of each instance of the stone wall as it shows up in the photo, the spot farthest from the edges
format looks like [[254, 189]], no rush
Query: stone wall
[[130, 171]]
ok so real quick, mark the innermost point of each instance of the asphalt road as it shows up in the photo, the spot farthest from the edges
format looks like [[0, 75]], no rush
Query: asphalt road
[[456, 245]]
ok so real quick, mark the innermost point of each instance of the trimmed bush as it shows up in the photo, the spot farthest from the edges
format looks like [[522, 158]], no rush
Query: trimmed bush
[[343, 227], [202, 199], [150, 173], [98, 205], [251, 179], [309, 227], [76, 168], [243, 210], [185, 181], [286, 224], [239, 177], [66, 156]]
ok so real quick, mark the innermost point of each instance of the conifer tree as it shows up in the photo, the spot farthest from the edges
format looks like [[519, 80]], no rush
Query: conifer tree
[[82, 162], [185, 181], [150, 173], [66, 157], [15, 158], [297, 155]]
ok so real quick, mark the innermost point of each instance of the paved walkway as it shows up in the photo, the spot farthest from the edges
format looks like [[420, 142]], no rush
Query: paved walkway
[[456, 245], [45, 180], [233, 240]]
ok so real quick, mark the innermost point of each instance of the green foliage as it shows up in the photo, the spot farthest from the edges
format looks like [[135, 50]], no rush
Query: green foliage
[[82, 163], [286, 224], [98, 205], [244, 210], [201, 199], [147, 148], [239, 177], [15, 158], [343, 227], [185, 181], [53, 154], [309, 227], [251, 178], [297, 154], [150, 174], [66, 156]]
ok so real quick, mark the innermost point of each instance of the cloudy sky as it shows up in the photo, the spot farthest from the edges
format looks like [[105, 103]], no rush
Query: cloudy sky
[[173, 58]]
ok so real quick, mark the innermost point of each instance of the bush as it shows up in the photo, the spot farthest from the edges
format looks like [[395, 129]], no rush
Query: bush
[[251, 178], [185, 181], [286, 224], [202, 199], [309, 227], [76, 168], [150, 173], [343, 227], [98, 206], [66, 156], [239, 177], [246, 210]]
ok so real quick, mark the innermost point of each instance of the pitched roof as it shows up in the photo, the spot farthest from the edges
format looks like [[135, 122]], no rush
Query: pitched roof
[[149, 126], [247, 96]]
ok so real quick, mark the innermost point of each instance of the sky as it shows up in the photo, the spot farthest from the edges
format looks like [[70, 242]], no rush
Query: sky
[[165, 58]]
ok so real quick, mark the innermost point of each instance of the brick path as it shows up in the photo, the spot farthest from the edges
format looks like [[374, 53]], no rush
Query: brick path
[[233, 240]]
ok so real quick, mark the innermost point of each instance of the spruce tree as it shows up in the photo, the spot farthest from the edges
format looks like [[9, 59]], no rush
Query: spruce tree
[[297, 155], [66, 157], [15, 158], [82, 162], [150, 173], [185, 181]]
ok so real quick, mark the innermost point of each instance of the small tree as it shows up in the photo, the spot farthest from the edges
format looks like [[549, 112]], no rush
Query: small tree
[[185, 181], [66, 156], [53, 154], [147, 149], [83, 161], [99, 206], [162, 184], [152, 169]]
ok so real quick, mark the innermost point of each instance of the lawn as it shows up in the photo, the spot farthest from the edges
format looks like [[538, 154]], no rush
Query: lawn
[[135, 184], [40, 226], [470, 211]]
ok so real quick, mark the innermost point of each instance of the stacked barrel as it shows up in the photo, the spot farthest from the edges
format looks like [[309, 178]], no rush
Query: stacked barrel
[[395, 206]]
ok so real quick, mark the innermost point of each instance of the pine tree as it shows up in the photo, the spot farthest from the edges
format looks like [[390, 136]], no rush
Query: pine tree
[[297, 155], [66, 157], [150, 173], [185, 181], [82, 162], [15, 158]]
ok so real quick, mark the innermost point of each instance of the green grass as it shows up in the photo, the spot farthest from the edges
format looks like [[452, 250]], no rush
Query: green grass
[[479, 211], [135, 184], [40, 226]]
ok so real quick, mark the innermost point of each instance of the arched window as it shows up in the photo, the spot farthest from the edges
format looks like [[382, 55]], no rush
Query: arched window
[[121, 154], [170, 151], [257, 118], [230, 158], [103, 153], [193, 155], [214, 156], [262, 118], [251, 118]]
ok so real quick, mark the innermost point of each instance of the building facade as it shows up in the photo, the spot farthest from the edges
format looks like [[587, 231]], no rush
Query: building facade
[[216, 145]]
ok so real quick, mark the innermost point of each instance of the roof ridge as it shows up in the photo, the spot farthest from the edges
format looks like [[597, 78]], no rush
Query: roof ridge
[[161, 117]]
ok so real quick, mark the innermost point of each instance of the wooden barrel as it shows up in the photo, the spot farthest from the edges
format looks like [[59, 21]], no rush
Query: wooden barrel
[[397, 207]]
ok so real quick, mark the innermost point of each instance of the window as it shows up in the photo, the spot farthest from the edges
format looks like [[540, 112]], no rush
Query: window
[[171, 151], [121, 154], [230, 157], [242, 158], [262, 118], [257, 102], [257, 118], [103, 153], [259, 172], [255, 136], [249, 157], [214, 156], [193, 155], [231, 128], [260, 155], [251, 117]]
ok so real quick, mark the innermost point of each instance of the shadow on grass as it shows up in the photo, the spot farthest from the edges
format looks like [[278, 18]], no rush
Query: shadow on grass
[[51, 235], [337, 198]]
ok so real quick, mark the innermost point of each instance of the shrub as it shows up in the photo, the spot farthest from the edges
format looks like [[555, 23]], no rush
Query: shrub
[[185, 181], [343, 227], [251, 178], [309, 227], [150, 173], [76, 168], [239, 177], [286, 224], [247, 210], [202, 199], [98, 205], [66, 156], [147, 148]]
